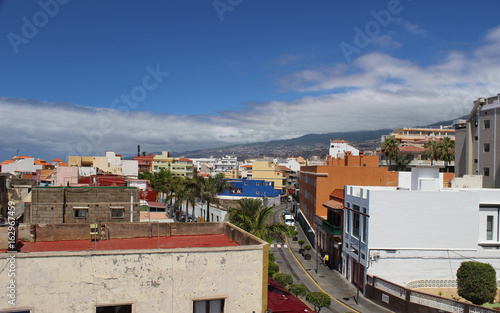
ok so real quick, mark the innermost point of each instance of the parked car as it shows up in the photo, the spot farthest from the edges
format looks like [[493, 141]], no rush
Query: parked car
[[289, 220]]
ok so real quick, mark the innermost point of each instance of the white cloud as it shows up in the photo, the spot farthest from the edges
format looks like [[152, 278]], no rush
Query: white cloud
[[386, 41], [411, 28], [375, 91]]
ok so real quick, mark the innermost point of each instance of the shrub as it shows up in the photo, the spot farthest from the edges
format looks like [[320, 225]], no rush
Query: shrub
[[272, 257], [301, 242], [476, 282], [297, 290], [273, 268], [319, 300], [307, 248], [283, 279]]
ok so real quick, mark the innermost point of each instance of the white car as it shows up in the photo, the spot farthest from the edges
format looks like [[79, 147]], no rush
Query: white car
[[289, 221]]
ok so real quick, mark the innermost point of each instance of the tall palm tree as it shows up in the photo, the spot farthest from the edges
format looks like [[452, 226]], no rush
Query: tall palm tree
[[209, 188], [252, 216], [446, 150], [432, 151], [191, 193], [390, 149]]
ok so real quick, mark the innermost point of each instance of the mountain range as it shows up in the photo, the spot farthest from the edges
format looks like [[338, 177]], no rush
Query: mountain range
[[305, 146]]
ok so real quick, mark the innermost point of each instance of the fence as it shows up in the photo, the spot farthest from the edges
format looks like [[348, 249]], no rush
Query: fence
[[404, 300]]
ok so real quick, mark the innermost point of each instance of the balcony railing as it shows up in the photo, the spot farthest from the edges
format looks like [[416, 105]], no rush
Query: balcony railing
[[334, 230]]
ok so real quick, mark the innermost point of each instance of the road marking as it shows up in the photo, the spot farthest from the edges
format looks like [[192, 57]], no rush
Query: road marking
[[305, 271]]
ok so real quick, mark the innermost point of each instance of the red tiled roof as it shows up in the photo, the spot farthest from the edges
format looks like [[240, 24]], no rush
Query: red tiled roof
[[247, 166], [162, 242], [332, 204], [56, 160], [280, 300], [185, 160], [156, 204], [337, 140], [413, 149], [338, 193]]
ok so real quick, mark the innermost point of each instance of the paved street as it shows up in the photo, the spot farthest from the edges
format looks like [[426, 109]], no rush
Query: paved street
[[329, 281]]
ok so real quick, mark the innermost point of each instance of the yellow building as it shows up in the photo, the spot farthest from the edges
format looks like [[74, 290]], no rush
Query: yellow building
[[268, 171], [178, 166]]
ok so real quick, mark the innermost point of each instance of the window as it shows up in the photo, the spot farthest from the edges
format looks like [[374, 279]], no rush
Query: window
[[475, 161], [486, 171], [80, 213], [246, 183], [257, 192], [126, 308], [117, 213], [489, 227], [257, 184], [486, 147], [348, 226], [355, 222], [486, 124], [209, 306]]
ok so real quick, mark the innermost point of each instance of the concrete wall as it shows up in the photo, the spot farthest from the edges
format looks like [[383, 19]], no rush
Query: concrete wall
[[150, 280], [47, 204]]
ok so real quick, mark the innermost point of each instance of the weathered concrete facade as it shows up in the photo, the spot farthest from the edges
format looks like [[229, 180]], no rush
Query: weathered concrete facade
[[151, 280], [83, 205]]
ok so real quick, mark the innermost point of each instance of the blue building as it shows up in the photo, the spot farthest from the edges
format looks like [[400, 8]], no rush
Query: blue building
[[251, 188]]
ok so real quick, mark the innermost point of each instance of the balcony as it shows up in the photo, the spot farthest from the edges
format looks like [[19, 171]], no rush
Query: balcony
[[333, 230]]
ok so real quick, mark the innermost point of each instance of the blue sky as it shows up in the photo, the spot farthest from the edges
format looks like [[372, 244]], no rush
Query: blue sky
[[209, 73]]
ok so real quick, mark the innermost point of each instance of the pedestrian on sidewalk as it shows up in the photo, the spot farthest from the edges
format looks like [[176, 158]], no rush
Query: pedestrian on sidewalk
[[326, 261], [322, 254]]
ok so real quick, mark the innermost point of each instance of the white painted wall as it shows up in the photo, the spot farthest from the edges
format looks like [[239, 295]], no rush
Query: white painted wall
[[340, 148], [130, 168], [424, 234], [21, 166], [166, 280]]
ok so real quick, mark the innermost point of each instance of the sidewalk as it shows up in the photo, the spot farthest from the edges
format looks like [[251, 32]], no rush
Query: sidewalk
[[327, 280]]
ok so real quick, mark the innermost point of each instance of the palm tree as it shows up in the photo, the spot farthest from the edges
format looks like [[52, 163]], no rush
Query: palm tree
[[191, 193], [402, 162], [390, 149], [446, 150], [209, 188], [432, 151], [252, 216]]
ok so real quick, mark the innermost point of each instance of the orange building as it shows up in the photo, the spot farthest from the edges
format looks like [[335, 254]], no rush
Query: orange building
[[318, 182]]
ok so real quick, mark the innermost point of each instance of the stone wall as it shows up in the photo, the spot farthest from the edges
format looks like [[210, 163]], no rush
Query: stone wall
[[54, 205]]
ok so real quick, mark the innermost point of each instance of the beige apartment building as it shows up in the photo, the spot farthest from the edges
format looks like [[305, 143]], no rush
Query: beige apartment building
[[477, 150]]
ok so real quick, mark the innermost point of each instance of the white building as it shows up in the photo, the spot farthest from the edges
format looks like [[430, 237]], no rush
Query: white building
[[338, 149], [424, 232], [20, 166], [185, 267], [226, 164], [198, 162]]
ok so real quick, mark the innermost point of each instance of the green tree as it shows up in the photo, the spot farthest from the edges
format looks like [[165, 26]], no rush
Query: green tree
[[283, 279], [390, 149], [297, 290], [319, 300], [402, 162], [161, 181], [477, 282], [273, 268], [209, 188], [432, 151], [252, 216], [446, 151], [301, 242]]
